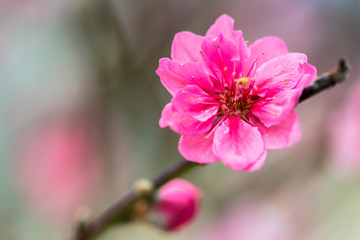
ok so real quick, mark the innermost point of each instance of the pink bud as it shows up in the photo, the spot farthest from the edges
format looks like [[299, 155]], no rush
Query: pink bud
[[178, 203]]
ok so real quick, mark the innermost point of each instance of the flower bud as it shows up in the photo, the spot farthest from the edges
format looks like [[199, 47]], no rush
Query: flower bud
[[177, 204]]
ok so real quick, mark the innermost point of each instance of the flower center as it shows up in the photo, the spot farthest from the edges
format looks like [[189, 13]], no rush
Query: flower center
[[239, 99]]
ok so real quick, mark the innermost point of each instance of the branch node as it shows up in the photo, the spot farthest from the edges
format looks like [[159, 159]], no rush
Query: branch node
[[144, 187]]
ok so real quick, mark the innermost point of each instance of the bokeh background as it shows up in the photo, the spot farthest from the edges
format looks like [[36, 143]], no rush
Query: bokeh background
[[80, 104]]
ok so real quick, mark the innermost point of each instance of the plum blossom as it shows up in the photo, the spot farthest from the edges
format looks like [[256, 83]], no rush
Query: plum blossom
[[344, 145], [58, 169], [178, 203], [232, 102]]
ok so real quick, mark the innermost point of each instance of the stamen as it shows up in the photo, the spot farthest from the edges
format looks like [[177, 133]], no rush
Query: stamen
[[244, 79], [215, 127]]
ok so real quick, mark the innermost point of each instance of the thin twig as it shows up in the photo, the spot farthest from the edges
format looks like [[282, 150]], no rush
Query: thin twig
[[121, 211], [326, 81]]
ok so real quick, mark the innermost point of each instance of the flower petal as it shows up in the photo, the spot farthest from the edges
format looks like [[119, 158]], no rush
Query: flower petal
[[224, 25], [193, 101], [183, 124], [281, 73], [221, 59], [281, 81], [265, 49], [285, 134], [197, 148], [186, 47], [257, 164], [175, 76], [238, 144], [276, 110], [309, 76]]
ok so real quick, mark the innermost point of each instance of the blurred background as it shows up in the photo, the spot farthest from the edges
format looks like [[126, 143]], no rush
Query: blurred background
[[80, 104]]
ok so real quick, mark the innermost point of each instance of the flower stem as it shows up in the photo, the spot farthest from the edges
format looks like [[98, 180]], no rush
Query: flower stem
[[123, 209]]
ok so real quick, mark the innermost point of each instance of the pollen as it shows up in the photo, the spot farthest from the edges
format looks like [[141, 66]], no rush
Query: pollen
[[247, 42], [244, 80], [263, 53], [183, 91], [266, 135], [233, 73], [201, 51], [225, 69], [286, 82], [191, 99], [217, 46]]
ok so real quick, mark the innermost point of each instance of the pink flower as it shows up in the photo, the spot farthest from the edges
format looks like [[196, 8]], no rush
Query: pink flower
[[58, 169], [232, 102], [343, 141], [178, 203]]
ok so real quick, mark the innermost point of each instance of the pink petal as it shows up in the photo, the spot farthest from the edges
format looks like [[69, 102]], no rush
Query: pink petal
[[275, 111], [224, 25], [197, 148], [186, 47], [285, 134], [178, 201], [194, 102], [309, 76], [175, 76], [270, 46], [283, 80], [221, 59], [238, 144], [257, 164], [183, 124], [282, 72]]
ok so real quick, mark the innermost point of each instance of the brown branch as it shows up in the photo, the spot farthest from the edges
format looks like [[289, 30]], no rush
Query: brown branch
[[122, 210], [326, 81]]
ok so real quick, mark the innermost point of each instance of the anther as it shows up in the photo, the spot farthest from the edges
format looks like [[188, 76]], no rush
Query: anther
[[201, 51], [225, 69], [244, 80]]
